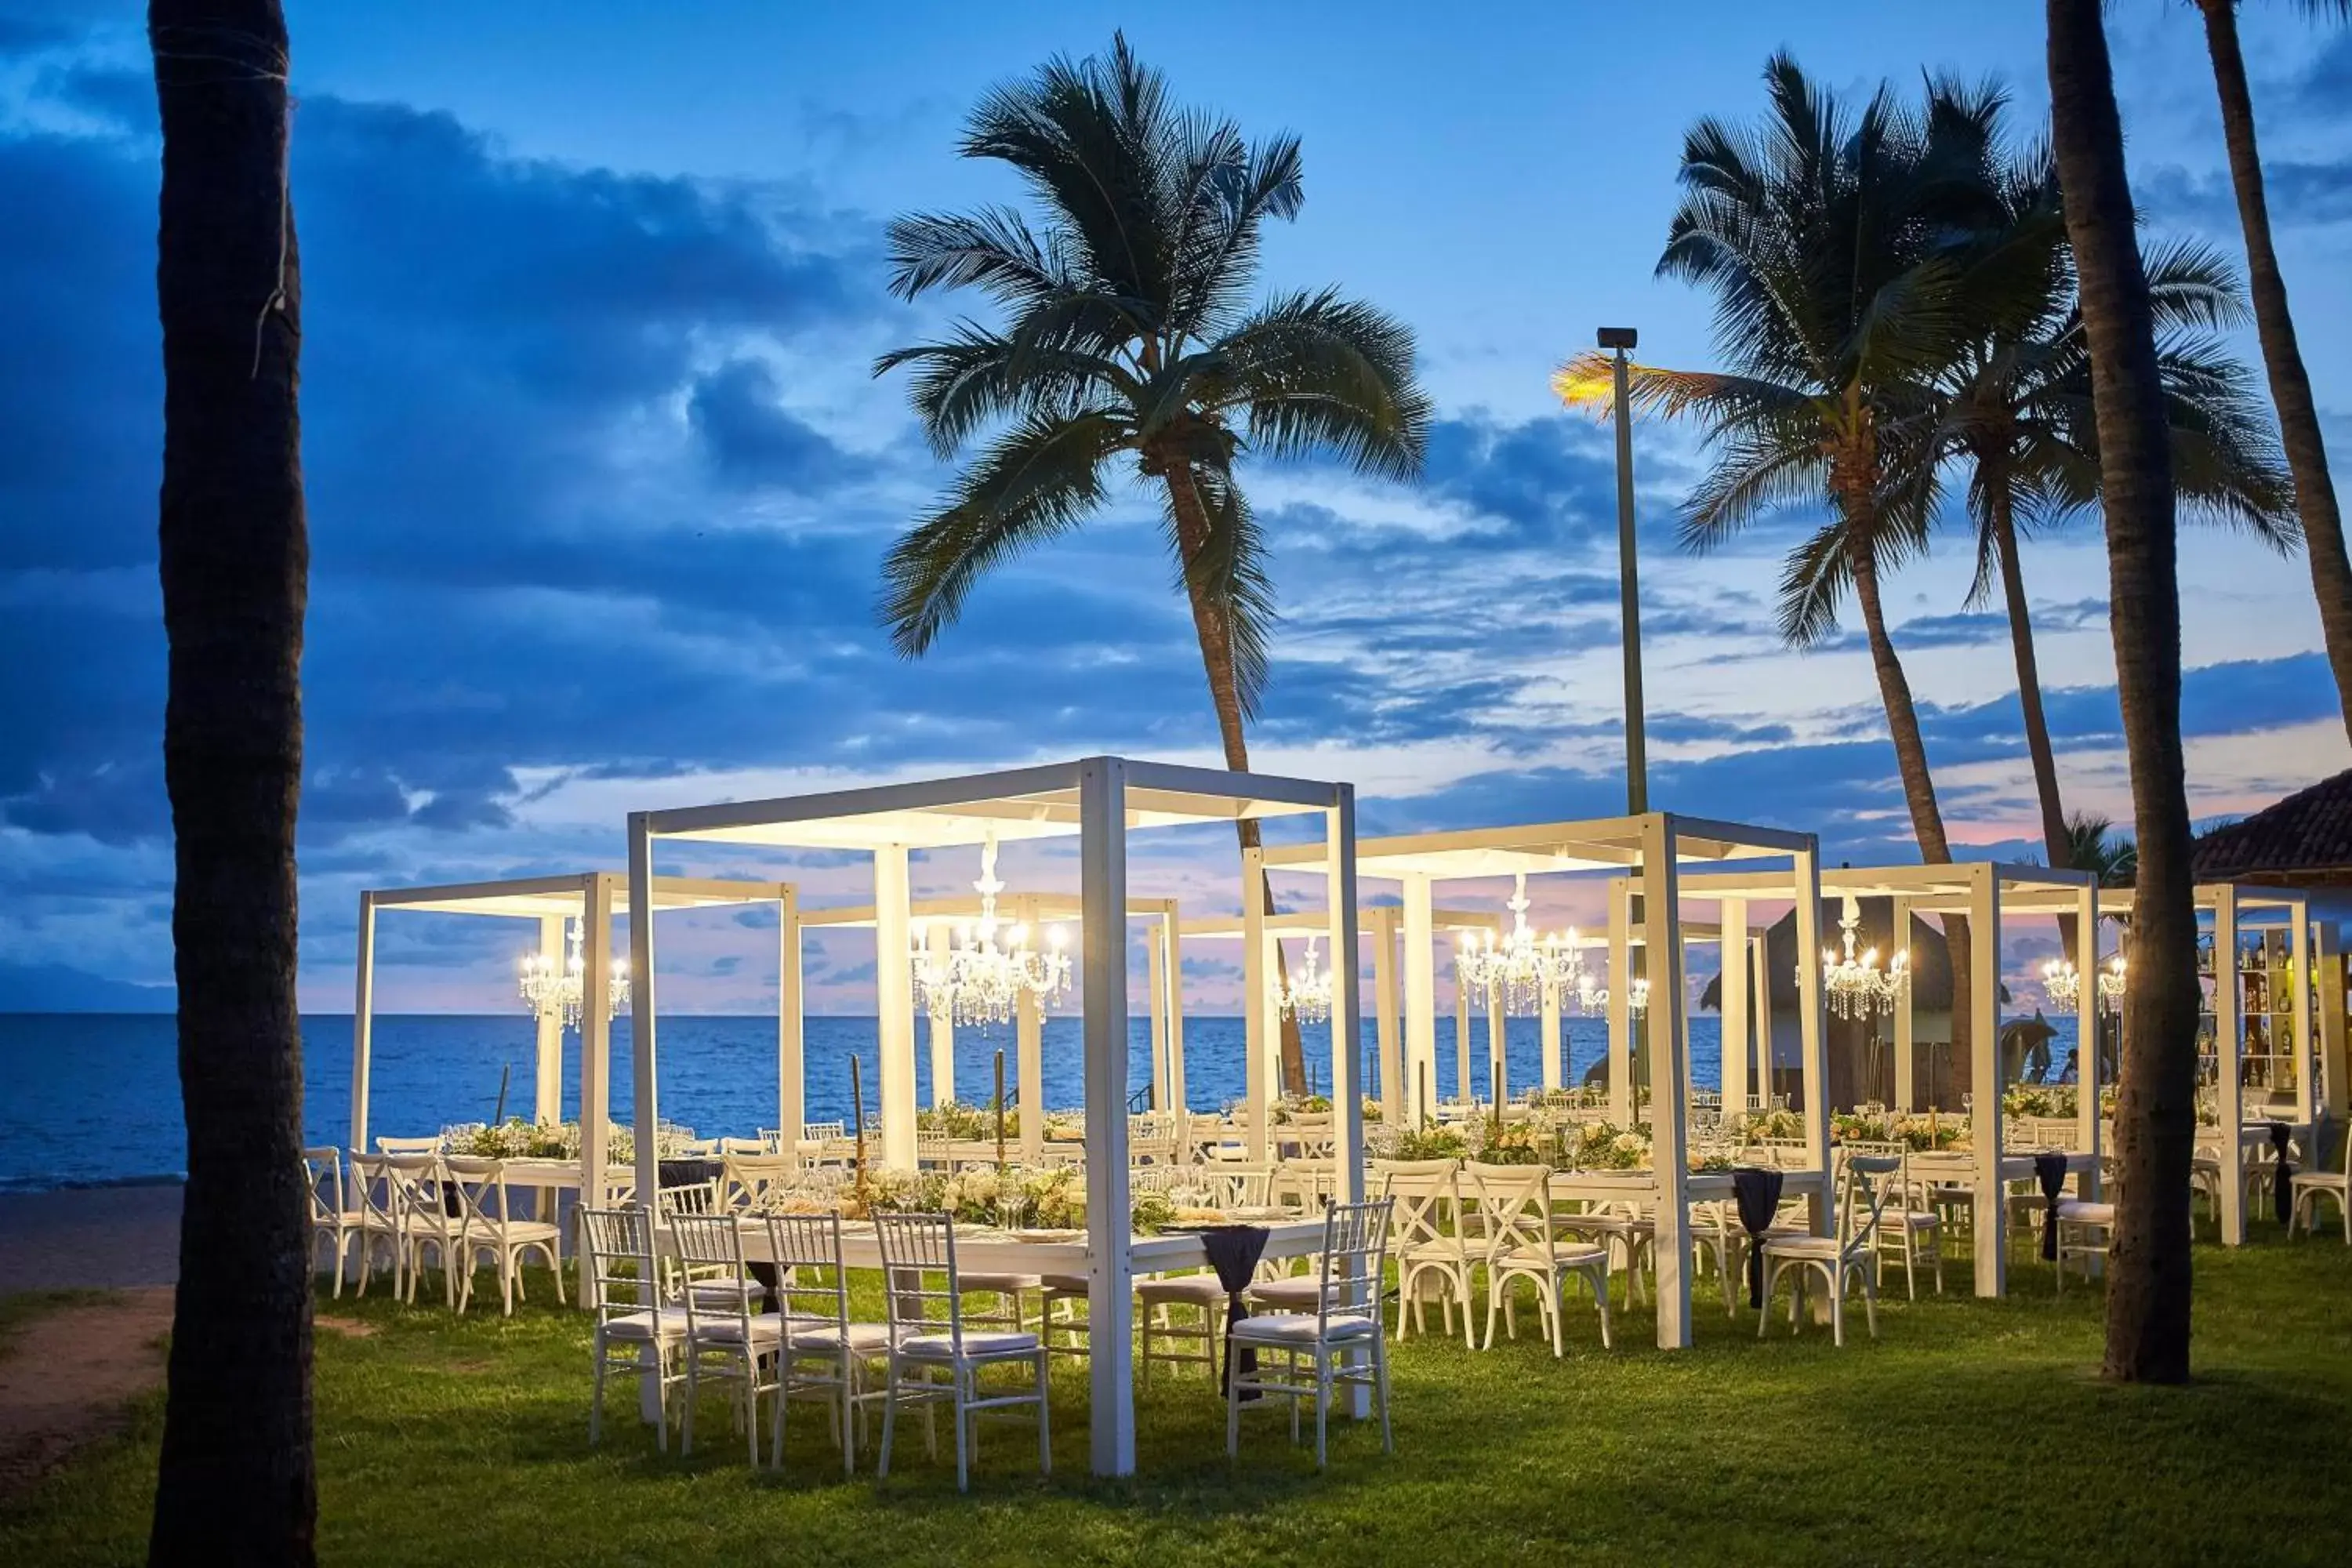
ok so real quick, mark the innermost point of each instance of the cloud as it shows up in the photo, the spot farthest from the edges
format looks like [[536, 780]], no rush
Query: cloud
[[2302, 193], [754, 441]]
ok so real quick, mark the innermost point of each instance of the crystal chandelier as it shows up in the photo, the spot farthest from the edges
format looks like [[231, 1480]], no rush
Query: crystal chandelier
[[1522, 968], [2111, 985], [1307, 994], [553, 989], [983, 980], [2062, 985], [1855, 986]]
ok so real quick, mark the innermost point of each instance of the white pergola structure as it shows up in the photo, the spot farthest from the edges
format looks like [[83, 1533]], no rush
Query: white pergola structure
[[1647, 852], [1100, 801], [2229, 912], [592, 897], [1379, 925], [931, 923], [1982, 892]]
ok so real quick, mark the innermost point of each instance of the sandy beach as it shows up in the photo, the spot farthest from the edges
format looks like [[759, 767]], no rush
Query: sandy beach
[[90, 1237]]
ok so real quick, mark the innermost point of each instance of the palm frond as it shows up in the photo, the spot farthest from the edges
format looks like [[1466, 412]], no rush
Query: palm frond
[[1813, 583], [1317, 373], [1230, 573], [1039, 481]]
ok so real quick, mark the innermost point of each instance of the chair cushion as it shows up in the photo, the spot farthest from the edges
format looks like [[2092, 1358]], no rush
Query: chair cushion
[[1570, 1254], [1298, 1328], [1910, 1219], [765, 1330], [2082, 1213], [1067, 1284], [1003, 1284], [822, 1335], [668, 1323], [1195, 1289], [940, 1347], [1823, 1247], [2326, 1180]]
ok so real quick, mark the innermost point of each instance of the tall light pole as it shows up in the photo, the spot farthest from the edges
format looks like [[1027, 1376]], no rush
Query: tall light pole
[[1637, 765]]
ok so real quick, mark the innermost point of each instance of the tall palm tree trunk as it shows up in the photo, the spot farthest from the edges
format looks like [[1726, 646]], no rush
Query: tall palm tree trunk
[[2307, 452], [2148, 1276], [235, 1481], [1918, 791], [1224, 692], [2058, 846], [2029, 684]]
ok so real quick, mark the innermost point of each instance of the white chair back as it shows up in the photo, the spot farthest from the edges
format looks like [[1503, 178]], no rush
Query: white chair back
[[925, 1294], [1355, 1256], [619, 1262], [323, 1168]]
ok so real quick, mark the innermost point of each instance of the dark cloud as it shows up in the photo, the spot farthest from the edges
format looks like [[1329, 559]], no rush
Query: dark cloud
[[2301, 193], [1970, 627], [754, 440]]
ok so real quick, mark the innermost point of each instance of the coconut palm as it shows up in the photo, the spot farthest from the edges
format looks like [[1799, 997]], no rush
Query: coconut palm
[[2307, 452], [1130, 341], [1826, 237], [234, 1480], [2149, 1275], [2014, 407], [2092, 845]]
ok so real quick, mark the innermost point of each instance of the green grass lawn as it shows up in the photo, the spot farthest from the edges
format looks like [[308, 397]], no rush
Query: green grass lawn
[[1969, 1432]]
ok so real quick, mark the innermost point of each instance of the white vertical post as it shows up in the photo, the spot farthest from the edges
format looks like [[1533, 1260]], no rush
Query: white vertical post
[[939, 1021], [894, 986], [1731, 978], [1907, 1044], [362, 1023], [1270, 1001], [792, 1047], [1463, 1089], [1155, 986], [1174, 938], [1620, 1003], [645, 1114], [1758, 950], [1498, 1073], [1102, 904], [1385, 1031], [1420, 998], [1991, 1218], [1548, 1024], [1669, 1094], [1029, 1054], [2306, 1061], [1347, 1001], [547, 1074], [596, 1039], [1812, 1059], [2327, 955], [1255, 1034], [2086, 1030], [2229, 1041]]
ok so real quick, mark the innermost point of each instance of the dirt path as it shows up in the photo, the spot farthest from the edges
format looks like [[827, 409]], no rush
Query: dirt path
[[68, 1374]]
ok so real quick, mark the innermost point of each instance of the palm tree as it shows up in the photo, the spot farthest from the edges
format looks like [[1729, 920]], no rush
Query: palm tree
[[1129, 338], [2015, 405], [234, 1480], [2148, 1276], [1825, 236], [2307, 452], [2091, 845]]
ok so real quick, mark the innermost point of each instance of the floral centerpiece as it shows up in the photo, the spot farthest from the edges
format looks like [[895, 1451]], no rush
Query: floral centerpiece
[[1604, 1146], [1430, 1142]]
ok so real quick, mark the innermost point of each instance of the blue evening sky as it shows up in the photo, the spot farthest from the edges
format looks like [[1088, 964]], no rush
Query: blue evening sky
[[599, 479]]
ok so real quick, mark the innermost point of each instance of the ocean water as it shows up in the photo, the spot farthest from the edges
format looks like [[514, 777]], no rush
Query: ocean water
[[95, 1097]]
